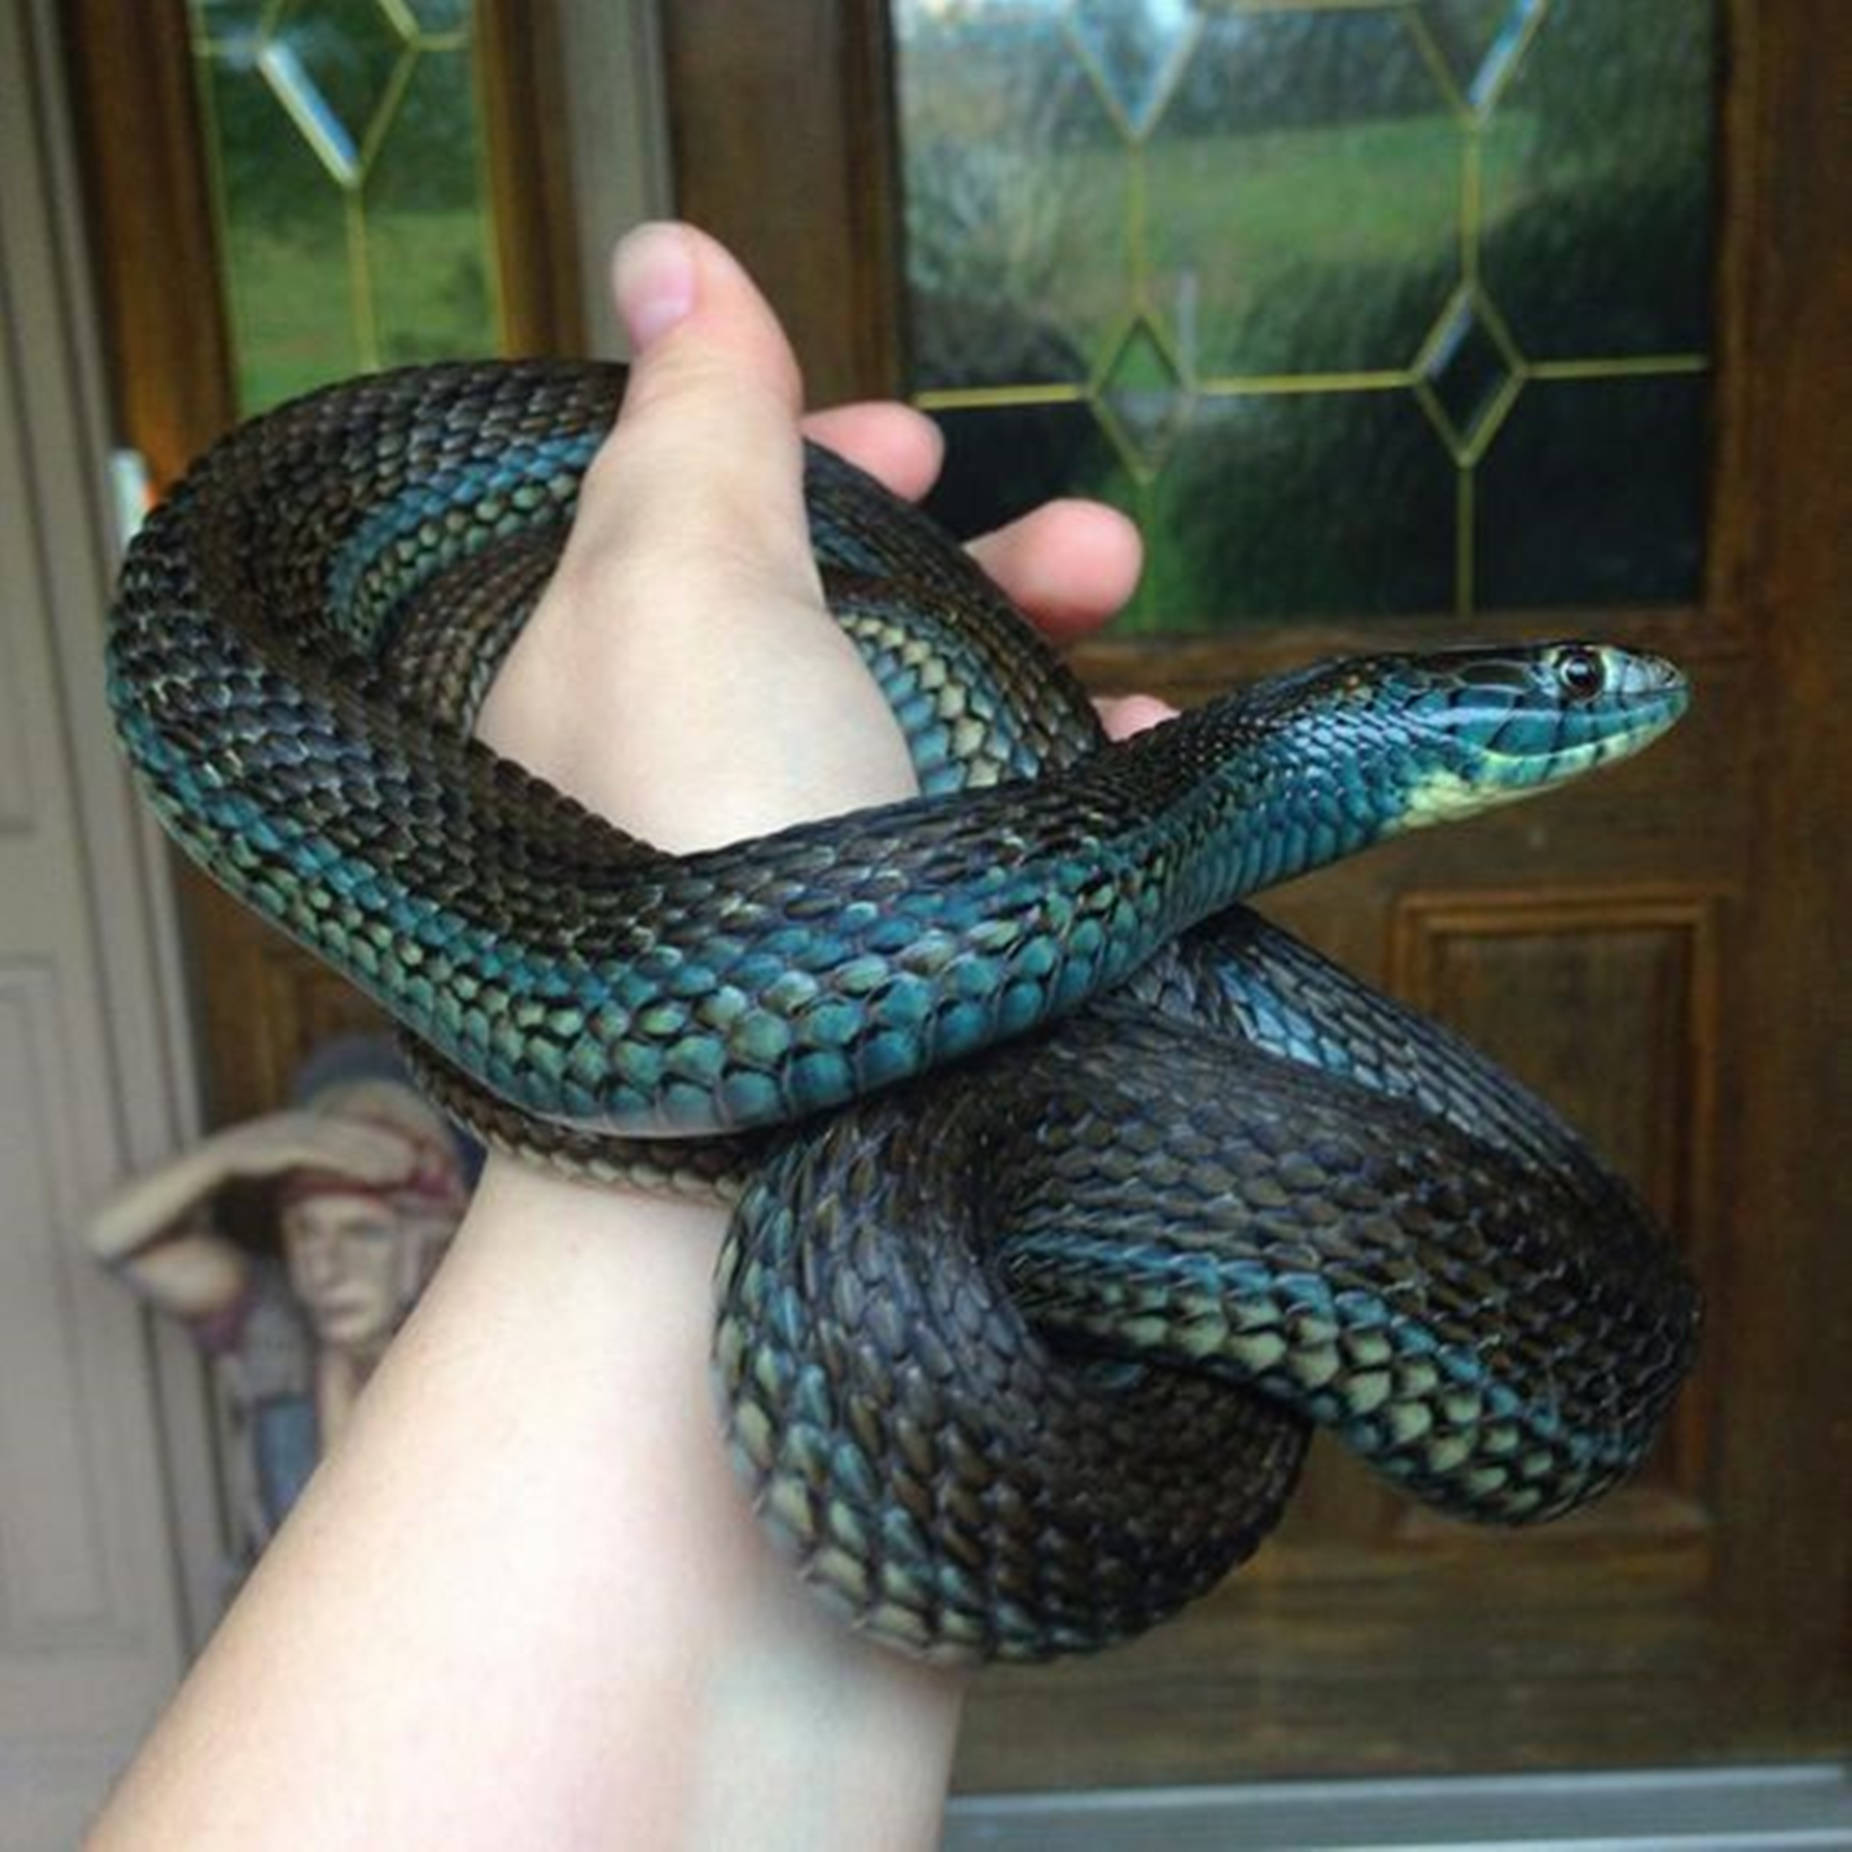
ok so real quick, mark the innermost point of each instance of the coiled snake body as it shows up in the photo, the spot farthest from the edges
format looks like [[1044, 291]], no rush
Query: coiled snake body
[[1017, 1357]]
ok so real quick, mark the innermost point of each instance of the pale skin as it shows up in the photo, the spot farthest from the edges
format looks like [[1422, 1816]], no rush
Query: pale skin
[[523, 1602]]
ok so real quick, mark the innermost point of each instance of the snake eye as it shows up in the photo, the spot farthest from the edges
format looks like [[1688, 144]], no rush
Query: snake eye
[[1580, 673]]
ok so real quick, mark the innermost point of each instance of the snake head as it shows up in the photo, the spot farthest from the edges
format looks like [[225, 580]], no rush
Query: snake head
[[1472, 728], [1534, 716]]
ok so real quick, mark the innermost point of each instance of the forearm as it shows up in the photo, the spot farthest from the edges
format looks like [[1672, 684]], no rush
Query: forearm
[[468, 1635]]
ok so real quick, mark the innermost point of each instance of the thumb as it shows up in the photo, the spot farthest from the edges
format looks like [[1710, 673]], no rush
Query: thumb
[[687, 601], [705, 465]]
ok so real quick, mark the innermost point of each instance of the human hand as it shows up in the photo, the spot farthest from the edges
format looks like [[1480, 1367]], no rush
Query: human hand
[[682, 675]]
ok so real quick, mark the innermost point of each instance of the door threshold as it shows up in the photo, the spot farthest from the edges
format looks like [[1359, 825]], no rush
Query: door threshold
[[1691, 1810]]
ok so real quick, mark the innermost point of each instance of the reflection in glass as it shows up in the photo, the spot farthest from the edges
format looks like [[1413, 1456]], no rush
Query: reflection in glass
[[346, 151], [1338, 299]]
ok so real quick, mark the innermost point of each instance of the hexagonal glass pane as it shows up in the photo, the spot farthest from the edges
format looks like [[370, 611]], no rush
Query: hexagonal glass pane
[[1594, 494], [1319, 504], [1302, 195], [1016, 199], [1002, 460], [1598, 181], [427, 222], [282, 240]]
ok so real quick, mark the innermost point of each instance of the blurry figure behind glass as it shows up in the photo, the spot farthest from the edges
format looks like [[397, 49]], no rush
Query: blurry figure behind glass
[[293, 1246]]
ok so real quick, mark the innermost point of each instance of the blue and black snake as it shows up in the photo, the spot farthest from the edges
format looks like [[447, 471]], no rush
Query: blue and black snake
[[1069, 1192]]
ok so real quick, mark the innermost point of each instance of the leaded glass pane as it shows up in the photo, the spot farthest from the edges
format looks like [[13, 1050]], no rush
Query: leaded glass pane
[[1318, 503], [1302, 194], [1357, 308], [1594, 493], [1597, 171], [346, 148], [1017, 209]]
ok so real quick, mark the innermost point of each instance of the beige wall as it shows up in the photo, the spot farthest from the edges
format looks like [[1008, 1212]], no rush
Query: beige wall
[[101, 1426]]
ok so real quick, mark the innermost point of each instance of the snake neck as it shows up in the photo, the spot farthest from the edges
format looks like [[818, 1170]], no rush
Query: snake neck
[[1254, 794]]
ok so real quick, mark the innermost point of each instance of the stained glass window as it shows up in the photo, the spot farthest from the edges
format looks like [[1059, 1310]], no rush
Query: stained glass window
[[1357, 308], [346, 149]]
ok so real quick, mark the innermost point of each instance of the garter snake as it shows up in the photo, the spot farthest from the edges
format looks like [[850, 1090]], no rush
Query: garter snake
[[1068, 1191]]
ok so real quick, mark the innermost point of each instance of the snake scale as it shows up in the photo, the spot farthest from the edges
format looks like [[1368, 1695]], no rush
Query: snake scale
[[1069, 1193]]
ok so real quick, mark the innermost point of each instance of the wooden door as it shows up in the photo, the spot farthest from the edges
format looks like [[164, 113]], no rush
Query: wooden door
[[1657, 950], [1660, 951]]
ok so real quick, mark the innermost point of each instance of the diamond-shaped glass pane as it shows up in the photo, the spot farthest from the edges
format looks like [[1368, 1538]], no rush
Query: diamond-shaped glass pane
[[1143, 396], [334, 64], [1136, 49], [1468, 373]]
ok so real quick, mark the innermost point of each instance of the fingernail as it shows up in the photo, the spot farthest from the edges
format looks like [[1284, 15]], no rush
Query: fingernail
[[654, 270]]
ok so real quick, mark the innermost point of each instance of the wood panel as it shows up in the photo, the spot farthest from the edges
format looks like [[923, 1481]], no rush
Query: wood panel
[[1607, 1003]]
